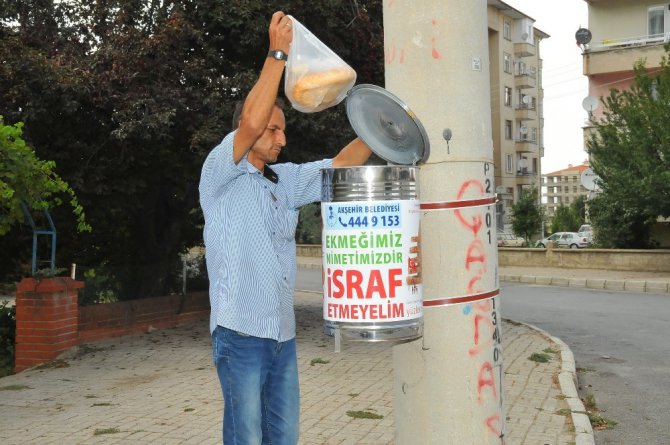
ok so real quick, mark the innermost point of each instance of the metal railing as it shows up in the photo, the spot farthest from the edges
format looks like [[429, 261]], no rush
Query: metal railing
[[625, 42], [50, 232]]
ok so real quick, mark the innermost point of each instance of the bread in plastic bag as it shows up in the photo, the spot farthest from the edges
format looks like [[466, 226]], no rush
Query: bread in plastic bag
[[316, 78]]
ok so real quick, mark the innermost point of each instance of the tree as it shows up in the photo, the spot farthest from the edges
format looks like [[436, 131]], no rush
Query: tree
[[578, 207], [527, 214], [568, 219], [630, 153], [26, 181], [128, 97], [309, 225], [564, 220]]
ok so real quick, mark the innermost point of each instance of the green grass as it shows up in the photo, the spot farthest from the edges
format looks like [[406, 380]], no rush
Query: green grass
[[539, 357], [598, 422], [364, 415], [14, 387], [102, 431], [601, 423], [590, 402]]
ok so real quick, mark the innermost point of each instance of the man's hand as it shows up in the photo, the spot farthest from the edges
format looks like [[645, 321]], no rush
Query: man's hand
[[281, 32], [260, 101]]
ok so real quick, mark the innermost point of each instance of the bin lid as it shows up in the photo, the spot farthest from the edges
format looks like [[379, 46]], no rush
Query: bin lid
[[387, 125]]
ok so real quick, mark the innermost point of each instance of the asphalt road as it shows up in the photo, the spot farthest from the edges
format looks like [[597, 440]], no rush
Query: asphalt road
[[620, 347]]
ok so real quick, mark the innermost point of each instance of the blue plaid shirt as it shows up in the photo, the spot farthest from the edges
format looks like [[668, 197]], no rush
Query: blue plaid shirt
[[249, 237]]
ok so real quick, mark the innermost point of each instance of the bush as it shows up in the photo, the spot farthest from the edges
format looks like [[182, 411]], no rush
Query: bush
[[102, 286], [7, 338]]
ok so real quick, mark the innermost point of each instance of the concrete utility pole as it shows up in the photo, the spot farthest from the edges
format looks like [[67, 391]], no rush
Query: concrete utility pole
[[448, 385]]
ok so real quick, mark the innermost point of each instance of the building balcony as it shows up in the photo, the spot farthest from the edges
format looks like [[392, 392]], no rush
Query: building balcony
[[524, 112], [524, 49], [615, 55], [525, 145], [525, 177], [525, 80]]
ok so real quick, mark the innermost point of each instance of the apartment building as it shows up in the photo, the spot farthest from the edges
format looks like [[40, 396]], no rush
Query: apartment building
[[563, 187], [622, 32], [516, 104]]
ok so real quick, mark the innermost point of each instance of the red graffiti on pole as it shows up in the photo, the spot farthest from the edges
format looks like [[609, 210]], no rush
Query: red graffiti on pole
[[475, 257], [435, 53], [486, 330], [493, 424], [486, 378], [476, 224], [392, 52]]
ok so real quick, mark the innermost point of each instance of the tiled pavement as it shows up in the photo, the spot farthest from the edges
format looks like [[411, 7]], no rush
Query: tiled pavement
[[161, 388]]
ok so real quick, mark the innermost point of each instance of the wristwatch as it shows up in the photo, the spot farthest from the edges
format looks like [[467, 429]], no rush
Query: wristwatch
[[278, 54]]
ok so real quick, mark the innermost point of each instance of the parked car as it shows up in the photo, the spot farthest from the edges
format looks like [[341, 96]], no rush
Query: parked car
[[565, 239], [507, 239], [586, 231]]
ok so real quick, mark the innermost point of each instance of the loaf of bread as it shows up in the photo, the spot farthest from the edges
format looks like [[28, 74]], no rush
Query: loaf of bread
[[323, 88]]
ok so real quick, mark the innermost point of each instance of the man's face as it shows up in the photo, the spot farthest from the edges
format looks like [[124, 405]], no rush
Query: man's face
[[269, 145]]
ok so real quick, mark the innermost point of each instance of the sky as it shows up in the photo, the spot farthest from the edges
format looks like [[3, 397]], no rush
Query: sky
[[564, 84]]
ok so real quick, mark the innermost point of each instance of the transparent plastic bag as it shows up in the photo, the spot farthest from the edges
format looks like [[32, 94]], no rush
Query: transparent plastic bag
[[316, 78]]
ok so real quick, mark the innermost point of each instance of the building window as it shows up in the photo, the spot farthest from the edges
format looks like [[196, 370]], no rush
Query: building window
[[507, 30], [574, 189], [655, 19], [533, 134], [535, 169], [507, 63], [566, 189], [508, 97], [508, 130], [509, 162], [519, 68]]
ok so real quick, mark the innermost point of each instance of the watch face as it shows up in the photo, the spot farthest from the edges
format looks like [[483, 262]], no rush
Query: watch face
[[279, 55]]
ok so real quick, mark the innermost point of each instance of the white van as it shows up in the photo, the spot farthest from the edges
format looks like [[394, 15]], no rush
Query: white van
[[586, 231]]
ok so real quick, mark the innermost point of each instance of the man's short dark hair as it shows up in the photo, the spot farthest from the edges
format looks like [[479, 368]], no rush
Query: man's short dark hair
[[279, 102]]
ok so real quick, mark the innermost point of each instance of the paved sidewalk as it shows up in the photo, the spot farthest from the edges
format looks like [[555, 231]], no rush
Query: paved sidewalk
[[161, 388], [654, 282]]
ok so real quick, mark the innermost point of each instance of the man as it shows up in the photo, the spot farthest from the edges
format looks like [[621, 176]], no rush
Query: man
[[251, 213]]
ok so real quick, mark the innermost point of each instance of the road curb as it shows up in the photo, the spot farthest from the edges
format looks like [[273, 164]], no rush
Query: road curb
[[656, 287], [567, 379]]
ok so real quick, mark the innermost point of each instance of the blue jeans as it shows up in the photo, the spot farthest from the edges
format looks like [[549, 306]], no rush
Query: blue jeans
[[259, 380]]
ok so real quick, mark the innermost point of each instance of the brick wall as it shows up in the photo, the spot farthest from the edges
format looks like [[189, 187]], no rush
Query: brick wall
[[46, 319], [129, 317], [49, 320]]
